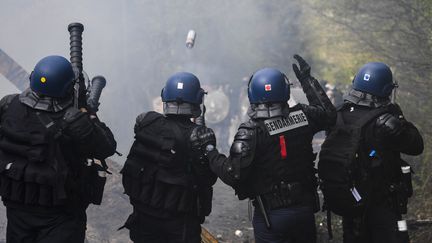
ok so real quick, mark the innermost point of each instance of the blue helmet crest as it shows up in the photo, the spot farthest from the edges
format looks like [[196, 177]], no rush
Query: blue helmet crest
[[374, 78], [183, 87], [52, 76], [268, 85]]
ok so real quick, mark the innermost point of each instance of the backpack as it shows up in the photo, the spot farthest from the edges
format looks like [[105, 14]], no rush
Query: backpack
[[344, 186], [156, 173]]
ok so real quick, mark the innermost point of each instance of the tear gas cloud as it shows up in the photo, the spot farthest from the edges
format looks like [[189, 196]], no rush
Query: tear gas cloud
[[137, 44]]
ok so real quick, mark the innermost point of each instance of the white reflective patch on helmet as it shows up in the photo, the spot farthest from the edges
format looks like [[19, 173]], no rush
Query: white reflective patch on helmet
[[267, 87], [366, 77], [179, 85]]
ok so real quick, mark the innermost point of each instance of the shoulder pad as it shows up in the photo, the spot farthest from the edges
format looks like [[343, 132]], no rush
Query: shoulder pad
[[395, 110], [5, 101], [140, 117], [248, 125], [146, 118], [244, 144], [245, 133]]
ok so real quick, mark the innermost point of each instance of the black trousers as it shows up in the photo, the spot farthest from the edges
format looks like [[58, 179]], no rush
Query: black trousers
[[379, 225], [44, 227], [295, 224], [144, 228]]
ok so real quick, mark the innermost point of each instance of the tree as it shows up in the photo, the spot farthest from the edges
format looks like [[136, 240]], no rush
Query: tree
[[344, 34]]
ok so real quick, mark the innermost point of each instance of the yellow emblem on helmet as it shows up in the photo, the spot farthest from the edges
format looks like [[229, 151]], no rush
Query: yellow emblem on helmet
[[43, 80]]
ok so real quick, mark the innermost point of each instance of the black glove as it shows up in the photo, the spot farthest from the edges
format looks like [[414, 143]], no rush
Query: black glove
[[388, 125], [203, 139], [302, 73], [77, 124]]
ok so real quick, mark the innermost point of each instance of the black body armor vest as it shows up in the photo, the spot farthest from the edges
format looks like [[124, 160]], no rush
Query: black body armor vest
[[32, 168], [158, 175], [282, 170]]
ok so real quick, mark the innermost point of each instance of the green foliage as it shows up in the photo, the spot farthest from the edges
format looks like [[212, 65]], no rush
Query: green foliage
[[344, 34]]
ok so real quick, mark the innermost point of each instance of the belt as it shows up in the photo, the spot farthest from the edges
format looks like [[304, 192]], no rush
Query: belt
[[284, 195]]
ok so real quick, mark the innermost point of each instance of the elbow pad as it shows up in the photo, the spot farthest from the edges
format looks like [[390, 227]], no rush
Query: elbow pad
[[243, 148]]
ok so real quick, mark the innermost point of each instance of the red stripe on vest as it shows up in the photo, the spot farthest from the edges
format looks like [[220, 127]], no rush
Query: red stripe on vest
[[282, 146]]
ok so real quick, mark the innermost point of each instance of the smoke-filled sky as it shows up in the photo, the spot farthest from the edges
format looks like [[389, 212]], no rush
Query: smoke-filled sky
[[138, 44]]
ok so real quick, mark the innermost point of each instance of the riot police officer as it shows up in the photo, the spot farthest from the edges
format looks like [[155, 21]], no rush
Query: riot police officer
[[169, 185], [385, 138], [271, 160], [46, 181]]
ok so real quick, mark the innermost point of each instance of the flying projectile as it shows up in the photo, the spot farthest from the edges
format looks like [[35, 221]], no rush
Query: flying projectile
[[190, 39]]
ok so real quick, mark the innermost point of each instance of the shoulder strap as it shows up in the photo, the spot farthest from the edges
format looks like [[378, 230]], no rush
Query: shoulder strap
[[55, 128], [339, 120], [182, 149], [370, 115], [146, 118], [178, 136], [5, 101], [339, 117], [365, 119]]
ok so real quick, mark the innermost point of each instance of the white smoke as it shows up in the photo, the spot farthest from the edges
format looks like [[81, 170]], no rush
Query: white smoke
[[138, 44]]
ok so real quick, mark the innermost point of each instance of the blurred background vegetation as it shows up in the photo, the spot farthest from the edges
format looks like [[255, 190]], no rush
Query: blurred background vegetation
[[341, 35]]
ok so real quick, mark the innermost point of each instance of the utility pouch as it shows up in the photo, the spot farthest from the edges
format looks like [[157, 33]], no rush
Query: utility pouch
[[403, 189], [96, 183], [406, 178], [172, 195]]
